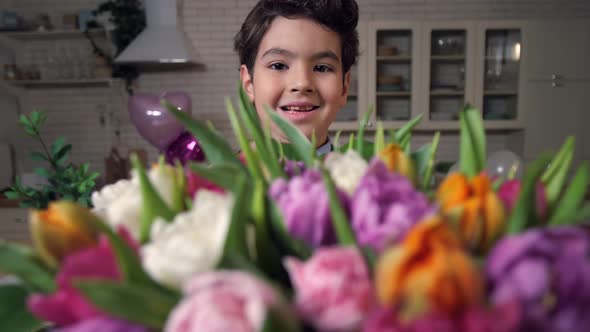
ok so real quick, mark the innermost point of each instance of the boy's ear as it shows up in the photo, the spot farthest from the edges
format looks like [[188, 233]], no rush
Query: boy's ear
[[346, 86], [247, 83]]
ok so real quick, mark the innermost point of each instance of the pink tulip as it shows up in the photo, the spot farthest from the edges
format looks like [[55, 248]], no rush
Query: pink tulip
[[67, 305], [221, 301], [510, 190], [333, 289]]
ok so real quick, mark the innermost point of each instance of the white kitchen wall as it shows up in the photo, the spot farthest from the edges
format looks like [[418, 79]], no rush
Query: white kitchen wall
[[211, 26]]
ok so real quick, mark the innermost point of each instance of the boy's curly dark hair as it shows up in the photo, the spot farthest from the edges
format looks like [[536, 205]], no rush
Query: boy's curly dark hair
[[340, 16]]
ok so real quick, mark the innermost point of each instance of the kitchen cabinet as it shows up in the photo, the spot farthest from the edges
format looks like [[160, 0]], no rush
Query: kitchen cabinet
[[14, 224], [434, 68], [557, 90], [348, 117]]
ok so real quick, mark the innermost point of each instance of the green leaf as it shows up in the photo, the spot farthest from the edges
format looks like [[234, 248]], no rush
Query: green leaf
[[261, 137], [379, 139], [223, 175], [472, 158], [153, 206], [62, 154], [524, 213], [20, 261], [340, 221], [573, 198], [361, 131], [42, 172], [132, 302], [216, 148], [37, 156], [253, 162], [24, 121], [564, 153], [426, 173], [299, 142], [275, 321], [12, 194], [14, 314], [555, 176], [57, 145], [235, 240], [405, 131], [128, 261], [337, 139]]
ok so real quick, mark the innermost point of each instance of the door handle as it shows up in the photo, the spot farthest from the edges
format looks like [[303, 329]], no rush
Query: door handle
[[556, 77], [556, 84]]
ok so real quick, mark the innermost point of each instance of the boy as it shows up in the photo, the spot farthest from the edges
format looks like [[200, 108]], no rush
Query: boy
[[295, 58]]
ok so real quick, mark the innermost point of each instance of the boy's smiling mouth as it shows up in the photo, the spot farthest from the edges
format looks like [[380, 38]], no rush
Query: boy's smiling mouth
[[298, 108]]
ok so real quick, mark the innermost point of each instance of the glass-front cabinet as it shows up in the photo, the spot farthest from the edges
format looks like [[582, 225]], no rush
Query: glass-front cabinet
[[499, 74], [394, 51], [449, 67], [434, 68]]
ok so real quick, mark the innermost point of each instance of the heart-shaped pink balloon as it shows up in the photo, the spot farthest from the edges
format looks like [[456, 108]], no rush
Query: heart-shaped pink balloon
[[153, 121]]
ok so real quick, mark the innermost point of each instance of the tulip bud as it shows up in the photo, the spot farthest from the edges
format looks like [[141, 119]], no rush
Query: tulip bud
[[63, 228], [475, 207], [398, 161]]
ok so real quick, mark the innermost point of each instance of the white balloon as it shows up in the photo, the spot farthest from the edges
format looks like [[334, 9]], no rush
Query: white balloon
[[504, 164]]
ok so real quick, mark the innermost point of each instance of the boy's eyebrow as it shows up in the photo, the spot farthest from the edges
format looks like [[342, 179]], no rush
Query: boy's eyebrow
[[317, 56]]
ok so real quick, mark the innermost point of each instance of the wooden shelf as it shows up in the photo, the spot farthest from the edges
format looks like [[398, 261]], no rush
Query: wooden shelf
[[394, 58], [51, 34], [63, 83], [394, 93], [447, 58], [500, 93], [447, 93]]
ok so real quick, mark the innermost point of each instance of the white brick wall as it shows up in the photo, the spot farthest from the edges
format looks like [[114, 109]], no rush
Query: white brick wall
[[211, 26]]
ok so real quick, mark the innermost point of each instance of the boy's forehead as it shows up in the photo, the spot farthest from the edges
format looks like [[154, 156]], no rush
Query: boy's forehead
[[299, 37]]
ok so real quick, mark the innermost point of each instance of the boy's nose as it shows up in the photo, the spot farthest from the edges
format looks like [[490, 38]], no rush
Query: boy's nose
[[302, 81]]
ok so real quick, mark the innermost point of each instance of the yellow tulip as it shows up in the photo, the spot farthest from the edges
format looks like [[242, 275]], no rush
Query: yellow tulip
[[475, 206], [63, 228], [398, 161], [428, 271]]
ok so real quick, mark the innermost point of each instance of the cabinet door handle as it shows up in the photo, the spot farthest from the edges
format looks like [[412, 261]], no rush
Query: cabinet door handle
[[556, 85], [556, 77]]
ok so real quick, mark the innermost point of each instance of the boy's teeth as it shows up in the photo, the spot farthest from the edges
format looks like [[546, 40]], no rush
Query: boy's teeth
[[298, 108]]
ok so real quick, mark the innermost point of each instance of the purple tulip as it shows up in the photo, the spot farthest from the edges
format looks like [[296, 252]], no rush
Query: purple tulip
[[303, 201], [385, 206], [548, 272]]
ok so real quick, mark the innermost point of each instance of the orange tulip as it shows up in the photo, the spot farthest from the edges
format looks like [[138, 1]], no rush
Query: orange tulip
[[428, 271], [475, 206], [63, 228], [398, 161]]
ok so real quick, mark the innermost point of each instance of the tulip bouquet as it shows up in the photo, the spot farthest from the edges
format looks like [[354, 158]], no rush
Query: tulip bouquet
[[276, 238]]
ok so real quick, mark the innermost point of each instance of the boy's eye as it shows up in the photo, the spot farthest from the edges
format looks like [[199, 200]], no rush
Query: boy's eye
[[322, 68], [278, 66]]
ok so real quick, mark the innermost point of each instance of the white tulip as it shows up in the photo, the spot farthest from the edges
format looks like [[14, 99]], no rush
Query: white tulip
[[120, 203], [193, 242], [346, 169]]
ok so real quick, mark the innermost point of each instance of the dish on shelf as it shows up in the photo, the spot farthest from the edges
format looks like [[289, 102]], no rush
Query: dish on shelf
[[386, 50], [390, 80]]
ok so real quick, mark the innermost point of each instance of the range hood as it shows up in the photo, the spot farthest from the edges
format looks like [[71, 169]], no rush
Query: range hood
[[162, 41]]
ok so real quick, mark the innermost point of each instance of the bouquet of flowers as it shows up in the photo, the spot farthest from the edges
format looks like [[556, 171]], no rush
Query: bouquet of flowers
[[276, 238]]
